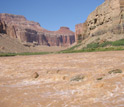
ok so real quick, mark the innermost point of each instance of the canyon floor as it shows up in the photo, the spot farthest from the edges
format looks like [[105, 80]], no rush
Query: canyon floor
[[65, 80]]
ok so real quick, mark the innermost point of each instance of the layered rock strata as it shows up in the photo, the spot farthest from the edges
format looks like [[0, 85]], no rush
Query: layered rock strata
[[19, 27], [108, 18]]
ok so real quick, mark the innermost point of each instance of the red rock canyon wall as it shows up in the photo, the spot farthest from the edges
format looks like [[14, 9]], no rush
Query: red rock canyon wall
[[19, 27]]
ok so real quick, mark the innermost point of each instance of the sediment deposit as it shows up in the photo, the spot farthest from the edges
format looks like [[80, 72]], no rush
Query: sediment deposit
[[63, 80]]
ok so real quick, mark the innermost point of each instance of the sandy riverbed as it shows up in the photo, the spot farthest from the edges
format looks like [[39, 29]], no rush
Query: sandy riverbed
[[53, 87]]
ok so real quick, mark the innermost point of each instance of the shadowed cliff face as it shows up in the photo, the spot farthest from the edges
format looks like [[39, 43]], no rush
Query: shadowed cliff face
[[107, 19], [17, 26]]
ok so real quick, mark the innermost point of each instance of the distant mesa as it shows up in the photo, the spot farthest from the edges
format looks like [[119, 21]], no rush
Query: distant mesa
[[17, 26], [64, 31]]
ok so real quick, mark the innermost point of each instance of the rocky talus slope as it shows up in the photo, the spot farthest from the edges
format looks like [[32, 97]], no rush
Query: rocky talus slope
[[13, 45], [104, 23], [25, 31]]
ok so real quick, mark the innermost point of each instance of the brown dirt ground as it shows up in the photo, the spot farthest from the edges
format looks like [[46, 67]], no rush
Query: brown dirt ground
[[53, 88]]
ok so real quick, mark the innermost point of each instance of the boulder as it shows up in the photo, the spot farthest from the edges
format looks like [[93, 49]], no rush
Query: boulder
[[115, 71], [35, 75], [79, 77]]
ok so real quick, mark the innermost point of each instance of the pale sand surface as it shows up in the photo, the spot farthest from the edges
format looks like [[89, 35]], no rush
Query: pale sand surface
[[53, 87]]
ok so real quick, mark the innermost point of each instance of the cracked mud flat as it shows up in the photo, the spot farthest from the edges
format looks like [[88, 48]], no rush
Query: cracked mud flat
[[53, 87]]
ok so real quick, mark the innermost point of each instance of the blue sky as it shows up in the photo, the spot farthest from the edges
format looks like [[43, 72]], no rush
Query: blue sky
[[51, 14]]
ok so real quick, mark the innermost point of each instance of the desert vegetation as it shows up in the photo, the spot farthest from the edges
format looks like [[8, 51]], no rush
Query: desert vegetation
[[94, 47], [26, 53]]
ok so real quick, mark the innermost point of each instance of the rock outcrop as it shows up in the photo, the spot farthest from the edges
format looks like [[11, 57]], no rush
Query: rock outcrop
[[80, 31], [107, 20], [19, 27]]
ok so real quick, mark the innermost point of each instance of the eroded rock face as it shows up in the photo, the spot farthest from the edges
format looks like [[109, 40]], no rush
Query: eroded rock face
[[17, 26], [80, 30], [2, 27], [107, 18]]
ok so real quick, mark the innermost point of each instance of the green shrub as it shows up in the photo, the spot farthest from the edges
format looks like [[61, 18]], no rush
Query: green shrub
[[93, 45], [105, 44], [27, 53], [33, 53], [118, 43], [7, 54]]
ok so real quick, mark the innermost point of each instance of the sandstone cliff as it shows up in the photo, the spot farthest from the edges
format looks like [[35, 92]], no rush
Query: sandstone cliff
[[19, 27], [80, 31], [106, 22]]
